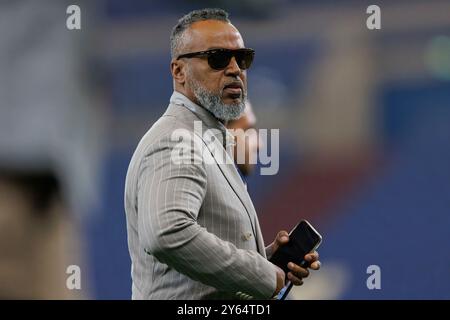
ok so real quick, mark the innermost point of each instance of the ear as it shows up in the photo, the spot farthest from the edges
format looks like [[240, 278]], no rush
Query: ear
[[177, 68]]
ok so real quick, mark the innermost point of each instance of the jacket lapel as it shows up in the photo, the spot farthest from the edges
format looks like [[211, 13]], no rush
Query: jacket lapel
[[215, 145], [228, 169]]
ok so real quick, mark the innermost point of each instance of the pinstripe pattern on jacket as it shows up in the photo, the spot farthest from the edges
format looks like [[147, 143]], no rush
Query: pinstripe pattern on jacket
[[193, 232]]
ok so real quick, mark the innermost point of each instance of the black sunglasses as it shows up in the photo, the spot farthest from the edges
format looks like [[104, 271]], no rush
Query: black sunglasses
[[219, 59]]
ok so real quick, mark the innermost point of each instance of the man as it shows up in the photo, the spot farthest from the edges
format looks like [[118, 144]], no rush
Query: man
[[246, 139], [193, 232]]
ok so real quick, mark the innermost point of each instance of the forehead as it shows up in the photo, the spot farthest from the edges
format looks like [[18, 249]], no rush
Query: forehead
[[203, 35]]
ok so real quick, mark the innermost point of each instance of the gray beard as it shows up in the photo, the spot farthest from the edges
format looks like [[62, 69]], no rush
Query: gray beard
[[214, 104]]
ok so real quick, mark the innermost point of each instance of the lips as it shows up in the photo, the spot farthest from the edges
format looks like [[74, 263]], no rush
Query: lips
[[234, 85], [235, 89]]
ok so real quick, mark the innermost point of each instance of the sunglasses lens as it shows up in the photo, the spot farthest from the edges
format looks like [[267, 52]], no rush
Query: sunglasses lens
[[219, 60], [244, 59]]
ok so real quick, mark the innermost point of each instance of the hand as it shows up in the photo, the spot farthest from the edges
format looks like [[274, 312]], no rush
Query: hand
[[297, 273], [281, 239], [281, 277]]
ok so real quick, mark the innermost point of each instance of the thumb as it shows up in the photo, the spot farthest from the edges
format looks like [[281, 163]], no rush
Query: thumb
[[282, 237]]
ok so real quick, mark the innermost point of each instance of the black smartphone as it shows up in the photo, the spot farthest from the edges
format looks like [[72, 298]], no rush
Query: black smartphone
[[303, 239]]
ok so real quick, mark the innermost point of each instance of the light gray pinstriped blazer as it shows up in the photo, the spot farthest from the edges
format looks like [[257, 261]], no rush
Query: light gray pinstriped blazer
[[192, 229]]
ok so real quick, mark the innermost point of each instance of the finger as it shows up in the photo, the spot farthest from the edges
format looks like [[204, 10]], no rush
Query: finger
[[311, 257], [295, 280], [283, 237], [315, 265], [297, 270]]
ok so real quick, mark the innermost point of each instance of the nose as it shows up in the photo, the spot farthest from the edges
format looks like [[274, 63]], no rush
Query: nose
[[233, 68]]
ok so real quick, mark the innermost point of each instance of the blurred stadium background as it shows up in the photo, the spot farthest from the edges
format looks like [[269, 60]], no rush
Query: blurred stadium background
[[364, 119]]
